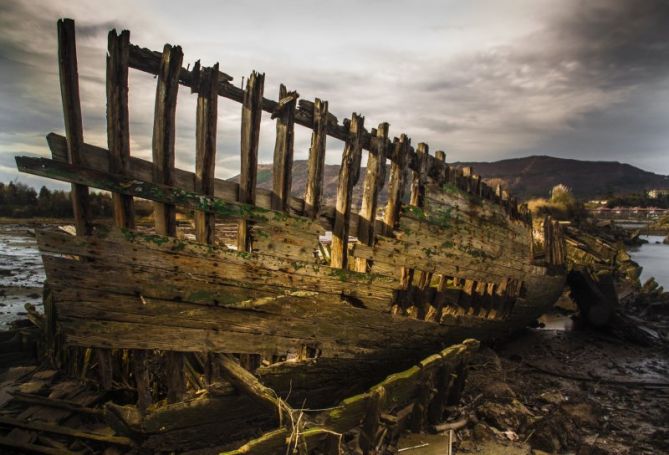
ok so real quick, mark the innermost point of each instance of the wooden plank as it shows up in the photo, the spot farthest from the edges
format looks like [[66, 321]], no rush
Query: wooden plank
[[420, 177], [283, 149], [217, 277], [396, 184], [205, 150], [62, 430], [251, 115], [349, 172], [118, 124], [314, 185], [374, 181], [97, 158], [69, 90], [164, 130]]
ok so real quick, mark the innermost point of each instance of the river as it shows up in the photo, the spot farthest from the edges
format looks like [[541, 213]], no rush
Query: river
[[654, 258]]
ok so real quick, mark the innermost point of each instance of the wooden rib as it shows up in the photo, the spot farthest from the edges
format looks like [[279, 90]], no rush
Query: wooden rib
[[313, 189], [149, 61], [164, 130], [251, 115], [118, 126], [349, 172], [396, 184], [420, 177], [374, 181], [283, 149], [205, 150], [97, 158], [69, 90]]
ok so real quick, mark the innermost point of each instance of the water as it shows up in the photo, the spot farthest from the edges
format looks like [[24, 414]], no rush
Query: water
[[654, 258], [21, 273]]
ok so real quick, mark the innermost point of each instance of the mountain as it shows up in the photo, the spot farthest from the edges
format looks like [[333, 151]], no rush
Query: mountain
[[534, 176], [526, 178]]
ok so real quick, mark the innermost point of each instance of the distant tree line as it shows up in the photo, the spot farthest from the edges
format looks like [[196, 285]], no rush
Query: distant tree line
[[18, 200], [639, 200]]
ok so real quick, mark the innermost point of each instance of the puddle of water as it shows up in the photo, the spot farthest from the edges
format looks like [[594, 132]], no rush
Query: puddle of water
[[654, 258], [21, 273]]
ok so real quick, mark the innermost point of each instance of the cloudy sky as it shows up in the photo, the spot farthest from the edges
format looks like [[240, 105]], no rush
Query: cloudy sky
[[480, 79]]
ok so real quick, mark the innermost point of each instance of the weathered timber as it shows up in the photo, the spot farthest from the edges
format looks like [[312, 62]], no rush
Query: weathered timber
[[205, 150], [149, 61], [399, 389], [69, 90], [97, 158], [314, 185], [245, 382], [374, 180], [162, 193], [420, 177], [251, 115], [283, 149], [118, 123], [396, 184], [164, 130], [58, 429], [349, 172]]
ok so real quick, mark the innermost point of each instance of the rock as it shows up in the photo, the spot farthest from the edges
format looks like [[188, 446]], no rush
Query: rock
[[581, 413], [514, 415], [552, 397], [555, 433]]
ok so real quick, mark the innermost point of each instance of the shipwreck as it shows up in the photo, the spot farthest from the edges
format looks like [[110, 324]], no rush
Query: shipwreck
[[219, 339]]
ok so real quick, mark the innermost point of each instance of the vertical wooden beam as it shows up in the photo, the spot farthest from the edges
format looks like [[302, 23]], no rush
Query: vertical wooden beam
[[396, 184], [140, 370], [420, 177], [283, 149], [349, 172], [205, 149], [374, 181], [69, 90], [164, 130], [176, 381], [251, 115], [313, 190], [118, 124], [442, 169]]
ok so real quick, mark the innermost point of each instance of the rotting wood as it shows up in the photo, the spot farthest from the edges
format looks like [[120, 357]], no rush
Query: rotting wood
[[399, 389], [316, 163], [420, 177], [349, 172], [58, 429], [118, 123], [251, 115], [164, 130], [283, 149], [245, 382], [374, 181], [69, 89], [205, 149], [396, 184]]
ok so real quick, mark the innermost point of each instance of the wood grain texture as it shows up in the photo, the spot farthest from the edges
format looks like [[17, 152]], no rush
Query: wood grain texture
[[349, 172], [283, 149], [374, 181], [164, 131], [251, 115], [314, 185], [118, 123], [205, 150], [69, 90]]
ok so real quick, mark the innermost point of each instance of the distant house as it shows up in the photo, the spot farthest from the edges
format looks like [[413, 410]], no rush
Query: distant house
[[654, 194]]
